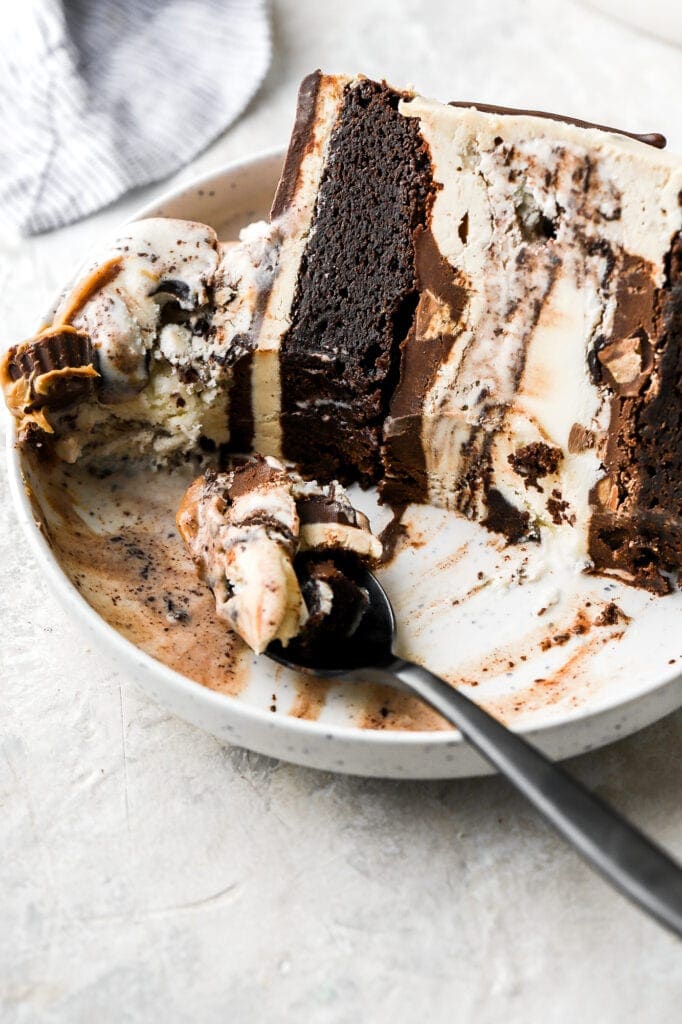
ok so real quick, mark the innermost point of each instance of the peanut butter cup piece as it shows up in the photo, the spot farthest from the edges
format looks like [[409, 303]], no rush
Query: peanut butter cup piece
[[51, 371]]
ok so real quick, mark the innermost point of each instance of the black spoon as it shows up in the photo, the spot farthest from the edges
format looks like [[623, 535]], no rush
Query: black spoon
[[620, 852]]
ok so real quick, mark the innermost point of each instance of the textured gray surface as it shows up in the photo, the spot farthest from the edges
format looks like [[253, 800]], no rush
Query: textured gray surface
[[147, 874]]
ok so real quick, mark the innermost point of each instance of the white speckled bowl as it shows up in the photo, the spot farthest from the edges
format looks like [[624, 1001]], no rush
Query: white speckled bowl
[[228, 199]]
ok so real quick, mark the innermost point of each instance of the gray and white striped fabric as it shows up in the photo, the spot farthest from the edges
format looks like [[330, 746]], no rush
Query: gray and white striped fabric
[[100, 96]]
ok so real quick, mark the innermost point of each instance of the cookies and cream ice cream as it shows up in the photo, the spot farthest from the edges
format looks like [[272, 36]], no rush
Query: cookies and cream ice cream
[[138, 359]]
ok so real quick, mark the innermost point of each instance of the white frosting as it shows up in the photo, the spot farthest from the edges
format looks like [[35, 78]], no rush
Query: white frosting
[[499, 176]]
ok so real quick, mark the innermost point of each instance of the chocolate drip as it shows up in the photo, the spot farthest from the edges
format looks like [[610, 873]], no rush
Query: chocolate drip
[[422, 355], [301, 139], [654, 139]]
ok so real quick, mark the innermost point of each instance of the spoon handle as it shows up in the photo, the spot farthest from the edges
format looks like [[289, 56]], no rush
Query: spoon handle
[[619, 851]]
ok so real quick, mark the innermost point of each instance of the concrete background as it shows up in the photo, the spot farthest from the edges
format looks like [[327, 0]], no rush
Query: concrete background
[[148, 874]]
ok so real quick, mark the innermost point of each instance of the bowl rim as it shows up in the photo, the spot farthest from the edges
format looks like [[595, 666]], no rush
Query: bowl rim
[[128, 652]]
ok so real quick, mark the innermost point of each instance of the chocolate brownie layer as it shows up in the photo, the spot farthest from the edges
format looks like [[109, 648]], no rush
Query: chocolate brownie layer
[[357, 288], [636, 528]]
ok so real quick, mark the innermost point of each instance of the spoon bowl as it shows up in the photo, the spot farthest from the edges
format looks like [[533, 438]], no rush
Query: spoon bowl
[[369, 645]]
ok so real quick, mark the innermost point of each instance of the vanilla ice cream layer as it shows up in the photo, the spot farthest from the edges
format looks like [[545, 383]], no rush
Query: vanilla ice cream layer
[[159, 423]]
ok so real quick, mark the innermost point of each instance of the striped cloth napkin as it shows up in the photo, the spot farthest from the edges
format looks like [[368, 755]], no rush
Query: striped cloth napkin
[[100, 96]]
